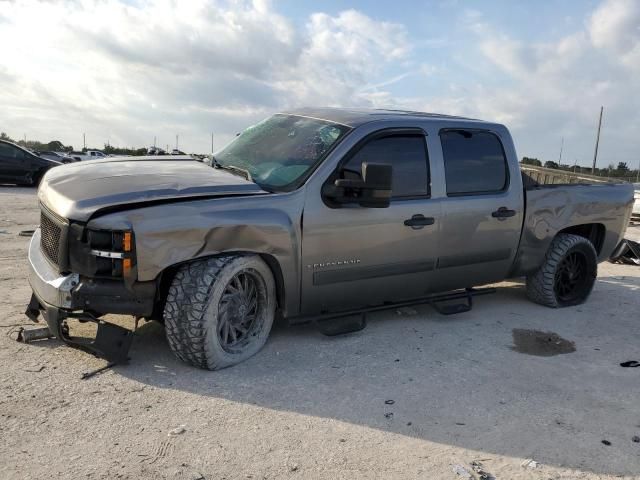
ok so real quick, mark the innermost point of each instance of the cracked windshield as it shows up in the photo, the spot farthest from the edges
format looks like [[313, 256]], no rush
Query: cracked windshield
[[280, 150]]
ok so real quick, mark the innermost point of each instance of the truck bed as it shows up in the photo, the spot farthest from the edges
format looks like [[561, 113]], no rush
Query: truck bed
[[601, 209]]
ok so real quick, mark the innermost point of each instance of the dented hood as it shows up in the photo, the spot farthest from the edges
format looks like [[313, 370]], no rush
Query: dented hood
[[78, 190]]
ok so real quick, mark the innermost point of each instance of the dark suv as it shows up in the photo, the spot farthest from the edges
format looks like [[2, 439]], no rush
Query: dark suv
[[20, 166]]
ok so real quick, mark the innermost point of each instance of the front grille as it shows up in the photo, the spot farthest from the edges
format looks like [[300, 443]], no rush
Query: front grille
[[50, 232]]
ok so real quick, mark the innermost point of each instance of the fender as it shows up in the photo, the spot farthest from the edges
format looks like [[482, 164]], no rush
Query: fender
[[169, 234]]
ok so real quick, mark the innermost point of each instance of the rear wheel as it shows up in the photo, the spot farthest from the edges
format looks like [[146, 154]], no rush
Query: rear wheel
[[219, 311], [567, 275]]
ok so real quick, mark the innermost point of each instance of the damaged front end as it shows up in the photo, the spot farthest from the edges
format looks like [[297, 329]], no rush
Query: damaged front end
[[79, 274]]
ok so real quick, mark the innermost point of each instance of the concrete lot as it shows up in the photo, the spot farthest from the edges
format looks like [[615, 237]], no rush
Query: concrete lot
[[310, 406]]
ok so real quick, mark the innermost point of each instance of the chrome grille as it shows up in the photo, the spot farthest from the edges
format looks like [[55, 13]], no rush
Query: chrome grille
[[50, 232]]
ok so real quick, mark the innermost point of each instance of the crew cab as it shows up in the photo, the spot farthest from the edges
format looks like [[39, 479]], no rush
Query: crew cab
[[313, 214]]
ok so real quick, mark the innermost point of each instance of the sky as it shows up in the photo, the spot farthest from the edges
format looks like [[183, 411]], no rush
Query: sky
[[124, 72]]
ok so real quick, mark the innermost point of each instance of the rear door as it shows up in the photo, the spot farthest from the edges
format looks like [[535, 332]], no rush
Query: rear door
[[355, 256], [482, 210]]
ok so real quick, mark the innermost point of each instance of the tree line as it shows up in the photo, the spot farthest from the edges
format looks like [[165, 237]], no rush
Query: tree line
[[622, 170], [58, 146]]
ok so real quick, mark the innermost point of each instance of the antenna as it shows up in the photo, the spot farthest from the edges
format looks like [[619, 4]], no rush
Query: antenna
[[561, 147], [595, 154]]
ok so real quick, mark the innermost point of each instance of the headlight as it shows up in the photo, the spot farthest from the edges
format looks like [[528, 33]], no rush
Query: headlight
[[103, 253], [113, 251]]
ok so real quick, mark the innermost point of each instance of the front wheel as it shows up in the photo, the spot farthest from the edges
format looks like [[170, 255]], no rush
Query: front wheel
[[567, 274], [219, 311]]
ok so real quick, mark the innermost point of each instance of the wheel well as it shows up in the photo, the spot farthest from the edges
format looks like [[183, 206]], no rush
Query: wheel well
[[166, 277], [594, 232]]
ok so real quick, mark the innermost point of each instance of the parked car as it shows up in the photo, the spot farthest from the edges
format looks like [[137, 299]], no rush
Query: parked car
[[58, 157], [88, 155], [312, 215], [19, 166]]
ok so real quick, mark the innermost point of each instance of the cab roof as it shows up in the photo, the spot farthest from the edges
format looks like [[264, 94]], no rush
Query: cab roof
[[353, 117]]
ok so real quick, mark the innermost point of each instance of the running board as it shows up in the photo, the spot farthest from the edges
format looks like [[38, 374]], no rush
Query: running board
[[339, 323]]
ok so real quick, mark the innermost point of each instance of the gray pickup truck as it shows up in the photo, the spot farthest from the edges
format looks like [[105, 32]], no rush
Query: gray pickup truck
[[312, 215]]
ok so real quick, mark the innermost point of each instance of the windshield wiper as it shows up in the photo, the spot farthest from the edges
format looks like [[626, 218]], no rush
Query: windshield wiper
[[232, 168]]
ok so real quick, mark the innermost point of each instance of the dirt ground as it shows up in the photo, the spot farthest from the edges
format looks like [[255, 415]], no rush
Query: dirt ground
[[412, 396]]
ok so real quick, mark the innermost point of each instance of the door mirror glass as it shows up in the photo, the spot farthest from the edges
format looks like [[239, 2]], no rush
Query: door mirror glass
[[373, 190]]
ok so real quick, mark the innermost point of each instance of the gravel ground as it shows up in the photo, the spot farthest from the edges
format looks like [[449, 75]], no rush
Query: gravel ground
[[414, 395]]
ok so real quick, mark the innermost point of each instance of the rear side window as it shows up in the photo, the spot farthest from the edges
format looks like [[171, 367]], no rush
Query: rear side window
[[407, 154], [474, 162]]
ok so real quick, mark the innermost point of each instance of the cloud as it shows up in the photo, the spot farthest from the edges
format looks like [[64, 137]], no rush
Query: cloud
[[547, 90], [127, 72]]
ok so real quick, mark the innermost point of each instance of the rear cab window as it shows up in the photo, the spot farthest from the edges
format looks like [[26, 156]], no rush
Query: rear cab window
[[475, 162]]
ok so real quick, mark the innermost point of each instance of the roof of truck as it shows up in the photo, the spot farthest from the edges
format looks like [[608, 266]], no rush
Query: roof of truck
[[353, 117]]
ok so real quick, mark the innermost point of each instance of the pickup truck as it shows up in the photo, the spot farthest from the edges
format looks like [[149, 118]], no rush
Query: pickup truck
[[311, 215]]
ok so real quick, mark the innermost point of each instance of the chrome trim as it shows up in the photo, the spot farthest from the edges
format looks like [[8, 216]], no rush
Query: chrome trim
[[46, 282], [107, 254]]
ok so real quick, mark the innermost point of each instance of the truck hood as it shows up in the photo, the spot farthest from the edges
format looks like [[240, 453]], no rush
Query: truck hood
[[78, 190]]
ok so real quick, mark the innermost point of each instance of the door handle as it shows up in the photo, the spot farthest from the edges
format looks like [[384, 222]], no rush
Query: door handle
[[503, 212], [419, 221]]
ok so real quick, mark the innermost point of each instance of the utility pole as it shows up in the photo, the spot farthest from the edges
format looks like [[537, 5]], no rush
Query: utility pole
[[25, 139], [176, 142], [595, 154], [211, 143], [84, 141], [561, 147], [154, 142], [638, 174], [574, 165]]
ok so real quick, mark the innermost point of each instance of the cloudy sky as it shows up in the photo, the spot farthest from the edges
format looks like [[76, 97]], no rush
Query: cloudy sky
[[124, 72]]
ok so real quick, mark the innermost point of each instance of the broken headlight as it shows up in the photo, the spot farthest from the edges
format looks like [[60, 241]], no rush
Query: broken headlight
[[102, 253]]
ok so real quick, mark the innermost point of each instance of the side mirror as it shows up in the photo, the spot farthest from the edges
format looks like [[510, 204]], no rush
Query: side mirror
[[373, 191]]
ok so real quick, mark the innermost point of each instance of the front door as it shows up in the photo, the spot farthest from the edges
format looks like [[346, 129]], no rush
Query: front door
[[355, 256]]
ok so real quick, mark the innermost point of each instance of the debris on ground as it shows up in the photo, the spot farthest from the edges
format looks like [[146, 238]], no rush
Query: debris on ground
[[482, 473], [389, 402], [388, 415], [28, 335], [26, 233], [406, 311], [635, 439], [177, 431], [35, 369], [530, 463], [630, 364], [606, 442], [90, 374], [628, 252], [462, 472]]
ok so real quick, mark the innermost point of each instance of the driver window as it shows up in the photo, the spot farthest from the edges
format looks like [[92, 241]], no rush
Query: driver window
[[408, 156]]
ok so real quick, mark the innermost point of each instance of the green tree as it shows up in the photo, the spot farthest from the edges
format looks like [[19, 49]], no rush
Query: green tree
[[550, 164], [531, 161], [622, 167]]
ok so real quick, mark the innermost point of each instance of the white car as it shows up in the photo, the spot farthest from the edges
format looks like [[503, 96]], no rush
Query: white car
[[88, 155], [636, 205]]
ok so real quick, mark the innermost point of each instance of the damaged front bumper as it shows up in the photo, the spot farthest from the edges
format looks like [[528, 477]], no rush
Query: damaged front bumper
[[60, 297]]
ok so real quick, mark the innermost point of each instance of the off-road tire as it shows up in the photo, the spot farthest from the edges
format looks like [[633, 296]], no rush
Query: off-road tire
[[191, 313], [542, 286]]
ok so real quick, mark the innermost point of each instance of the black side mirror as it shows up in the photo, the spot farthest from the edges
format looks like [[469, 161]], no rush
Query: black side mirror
[[373, 191]]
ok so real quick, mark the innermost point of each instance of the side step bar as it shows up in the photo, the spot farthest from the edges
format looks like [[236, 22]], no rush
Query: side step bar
[[339, 323]]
